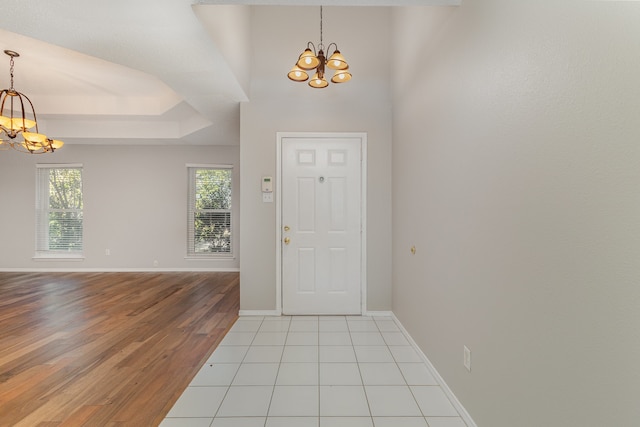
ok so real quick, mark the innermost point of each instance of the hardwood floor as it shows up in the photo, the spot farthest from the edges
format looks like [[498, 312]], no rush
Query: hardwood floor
[[106, 349]]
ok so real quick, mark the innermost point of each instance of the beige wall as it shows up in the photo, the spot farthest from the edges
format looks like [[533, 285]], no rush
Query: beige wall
[[516, 173], [135, 201], [260, 123], [279, 105]]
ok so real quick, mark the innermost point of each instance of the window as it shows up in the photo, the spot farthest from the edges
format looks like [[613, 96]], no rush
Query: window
[[59, 210], [209, 211]]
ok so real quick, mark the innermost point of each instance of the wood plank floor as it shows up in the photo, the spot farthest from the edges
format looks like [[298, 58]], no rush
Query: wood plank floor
[[106, 349]]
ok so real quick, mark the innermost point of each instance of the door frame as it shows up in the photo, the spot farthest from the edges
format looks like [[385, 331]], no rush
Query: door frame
[[362, 137]]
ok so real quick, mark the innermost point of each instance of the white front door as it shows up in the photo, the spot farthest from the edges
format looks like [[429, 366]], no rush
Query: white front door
[[321, 225]]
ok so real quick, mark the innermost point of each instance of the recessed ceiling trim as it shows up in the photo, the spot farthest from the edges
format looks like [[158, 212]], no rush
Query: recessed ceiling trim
[[336, 2]]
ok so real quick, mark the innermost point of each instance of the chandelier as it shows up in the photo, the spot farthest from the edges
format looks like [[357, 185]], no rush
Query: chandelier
[[311, 59], [15, 123]]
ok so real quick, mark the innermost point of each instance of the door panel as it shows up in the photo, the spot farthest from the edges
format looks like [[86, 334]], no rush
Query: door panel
[[306, 205], [306, 271], [321, 205]]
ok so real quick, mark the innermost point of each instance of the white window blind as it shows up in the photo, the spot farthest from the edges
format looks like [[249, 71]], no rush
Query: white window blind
[[209, 211], [59, 210]]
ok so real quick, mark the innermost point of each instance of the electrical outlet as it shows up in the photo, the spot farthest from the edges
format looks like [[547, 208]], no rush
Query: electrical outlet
[[467, 358], [107, 252], [155, 263]]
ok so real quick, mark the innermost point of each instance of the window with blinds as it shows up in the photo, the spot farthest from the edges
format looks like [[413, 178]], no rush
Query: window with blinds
[[59, 210], [209, 211]]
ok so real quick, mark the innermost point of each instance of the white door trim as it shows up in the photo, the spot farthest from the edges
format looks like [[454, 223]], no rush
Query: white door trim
[[363, 204]]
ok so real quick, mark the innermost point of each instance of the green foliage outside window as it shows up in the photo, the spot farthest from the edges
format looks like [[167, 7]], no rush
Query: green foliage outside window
[[65, 209], [212, 214], [61, 207]]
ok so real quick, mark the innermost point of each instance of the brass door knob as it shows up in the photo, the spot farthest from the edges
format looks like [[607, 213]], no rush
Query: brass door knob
[[287, 240]]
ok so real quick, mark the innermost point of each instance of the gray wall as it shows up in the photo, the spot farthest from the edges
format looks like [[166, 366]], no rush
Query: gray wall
[[135, 201], [516, 171]]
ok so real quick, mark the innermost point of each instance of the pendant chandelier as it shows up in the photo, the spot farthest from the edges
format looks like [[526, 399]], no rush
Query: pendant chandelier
[[311, 59], [15, 123]]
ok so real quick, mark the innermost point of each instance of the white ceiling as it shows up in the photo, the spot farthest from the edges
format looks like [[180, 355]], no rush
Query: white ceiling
[[144, 71]]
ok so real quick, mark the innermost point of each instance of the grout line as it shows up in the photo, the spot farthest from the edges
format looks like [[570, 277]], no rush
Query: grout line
[[361, 378], [319, 391], [238, 370], [275, 381]]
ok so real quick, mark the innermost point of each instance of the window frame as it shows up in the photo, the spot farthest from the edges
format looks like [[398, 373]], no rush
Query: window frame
[[43, 208], [191, 210]]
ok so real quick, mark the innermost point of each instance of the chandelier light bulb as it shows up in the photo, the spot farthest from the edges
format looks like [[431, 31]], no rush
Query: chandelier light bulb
[[341, 76], [337, 61], [318, 82], [297, 74]]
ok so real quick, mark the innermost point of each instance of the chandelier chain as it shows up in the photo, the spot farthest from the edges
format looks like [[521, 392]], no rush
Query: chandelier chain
[[321, 46], [11, 65]]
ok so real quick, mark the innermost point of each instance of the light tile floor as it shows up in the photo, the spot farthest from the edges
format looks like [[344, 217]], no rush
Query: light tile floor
[[314, 371]]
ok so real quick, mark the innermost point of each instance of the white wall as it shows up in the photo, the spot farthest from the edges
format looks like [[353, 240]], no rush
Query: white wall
[[135, 201], [516, 173], [284, 106]]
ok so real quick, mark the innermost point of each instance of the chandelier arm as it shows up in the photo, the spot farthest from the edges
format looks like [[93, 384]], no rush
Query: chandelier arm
[[8, 130], [311, 46], [335, 47], [4, 95], [33, 110]]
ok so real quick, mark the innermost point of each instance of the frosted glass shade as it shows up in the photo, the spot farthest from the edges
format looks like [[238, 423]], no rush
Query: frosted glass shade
[[318, 82], [308, 60], [297, 74], [341, 76], [337, 61], [16, 124], [56, 144], [34, 138]]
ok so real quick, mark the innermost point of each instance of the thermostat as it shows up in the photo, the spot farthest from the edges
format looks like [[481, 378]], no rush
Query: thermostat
[[267, 184]]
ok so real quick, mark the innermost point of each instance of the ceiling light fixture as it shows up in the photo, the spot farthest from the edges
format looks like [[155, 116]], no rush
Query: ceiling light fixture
[[311, 59], [18, 124]]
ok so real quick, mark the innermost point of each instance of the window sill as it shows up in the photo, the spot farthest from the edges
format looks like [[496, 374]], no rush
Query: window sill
[[58, 257]]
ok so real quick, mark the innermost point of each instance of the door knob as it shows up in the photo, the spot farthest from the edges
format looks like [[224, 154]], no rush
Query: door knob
[[286, 240], [287, 228]]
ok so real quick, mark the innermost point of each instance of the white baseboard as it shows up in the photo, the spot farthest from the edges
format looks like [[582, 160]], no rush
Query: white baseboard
[[445, 388], [378, 313], [259, 313], [117, 270]]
